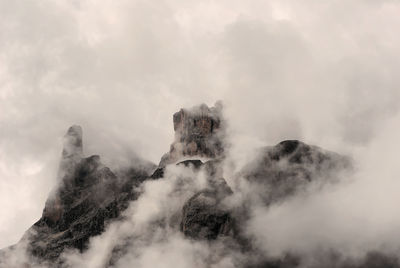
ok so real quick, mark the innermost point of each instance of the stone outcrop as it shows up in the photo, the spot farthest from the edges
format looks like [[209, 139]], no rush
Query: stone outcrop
[[204, 215], [90, 195], [73, 148], [198, 132], [288, 167]]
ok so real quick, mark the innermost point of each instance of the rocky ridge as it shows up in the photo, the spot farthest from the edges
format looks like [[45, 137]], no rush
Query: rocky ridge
[[90, 195]]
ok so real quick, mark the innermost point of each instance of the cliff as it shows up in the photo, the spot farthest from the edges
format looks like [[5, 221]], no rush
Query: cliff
[[90, 196]]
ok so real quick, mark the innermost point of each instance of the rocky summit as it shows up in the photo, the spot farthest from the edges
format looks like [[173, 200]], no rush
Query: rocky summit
[[198, 133], [90, 197]]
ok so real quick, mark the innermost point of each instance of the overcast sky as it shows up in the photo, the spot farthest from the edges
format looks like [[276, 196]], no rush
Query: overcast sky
[[325, 72]]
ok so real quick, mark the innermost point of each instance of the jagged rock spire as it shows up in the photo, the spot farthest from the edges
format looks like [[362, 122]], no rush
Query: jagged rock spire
[[73, 143]]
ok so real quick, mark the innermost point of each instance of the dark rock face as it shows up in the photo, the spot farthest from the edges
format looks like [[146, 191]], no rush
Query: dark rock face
[[197, 133], [288, 167], [89, 196], [203, 217], [159, 172], [195, 163], [77, 211]]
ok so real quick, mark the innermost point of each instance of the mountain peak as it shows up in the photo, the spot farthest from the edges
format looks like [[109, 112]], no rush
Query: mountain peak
[[90, 196], [198, 132], [73, 143]]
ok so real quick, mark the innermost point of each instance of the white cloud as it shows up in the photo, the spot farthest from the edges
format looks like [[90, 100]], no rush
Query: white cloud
[[322, 71]]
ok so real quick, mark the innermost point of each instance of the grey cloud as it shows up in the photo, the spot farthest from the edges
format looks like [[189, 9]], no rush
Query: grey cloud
[[325, 72]]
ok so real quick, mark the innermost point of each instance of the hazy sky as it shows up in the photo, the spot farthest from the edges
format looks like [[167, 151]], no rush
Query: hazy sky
[[325, 72]]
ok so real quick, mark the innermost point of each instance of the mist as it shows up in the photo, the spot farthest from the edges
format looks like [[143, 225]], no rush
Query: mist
[[323, 72]]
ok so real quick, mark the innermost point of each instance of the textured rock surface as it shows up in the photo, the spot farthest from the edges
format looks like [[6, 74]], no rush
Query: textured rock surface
[[90, 195], [204, 216], [198, 132], [288, 167]]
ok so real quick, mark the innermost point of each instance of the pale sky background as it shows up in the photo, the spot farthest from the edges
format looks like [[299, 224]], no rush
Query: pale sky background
[[326, 72]]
